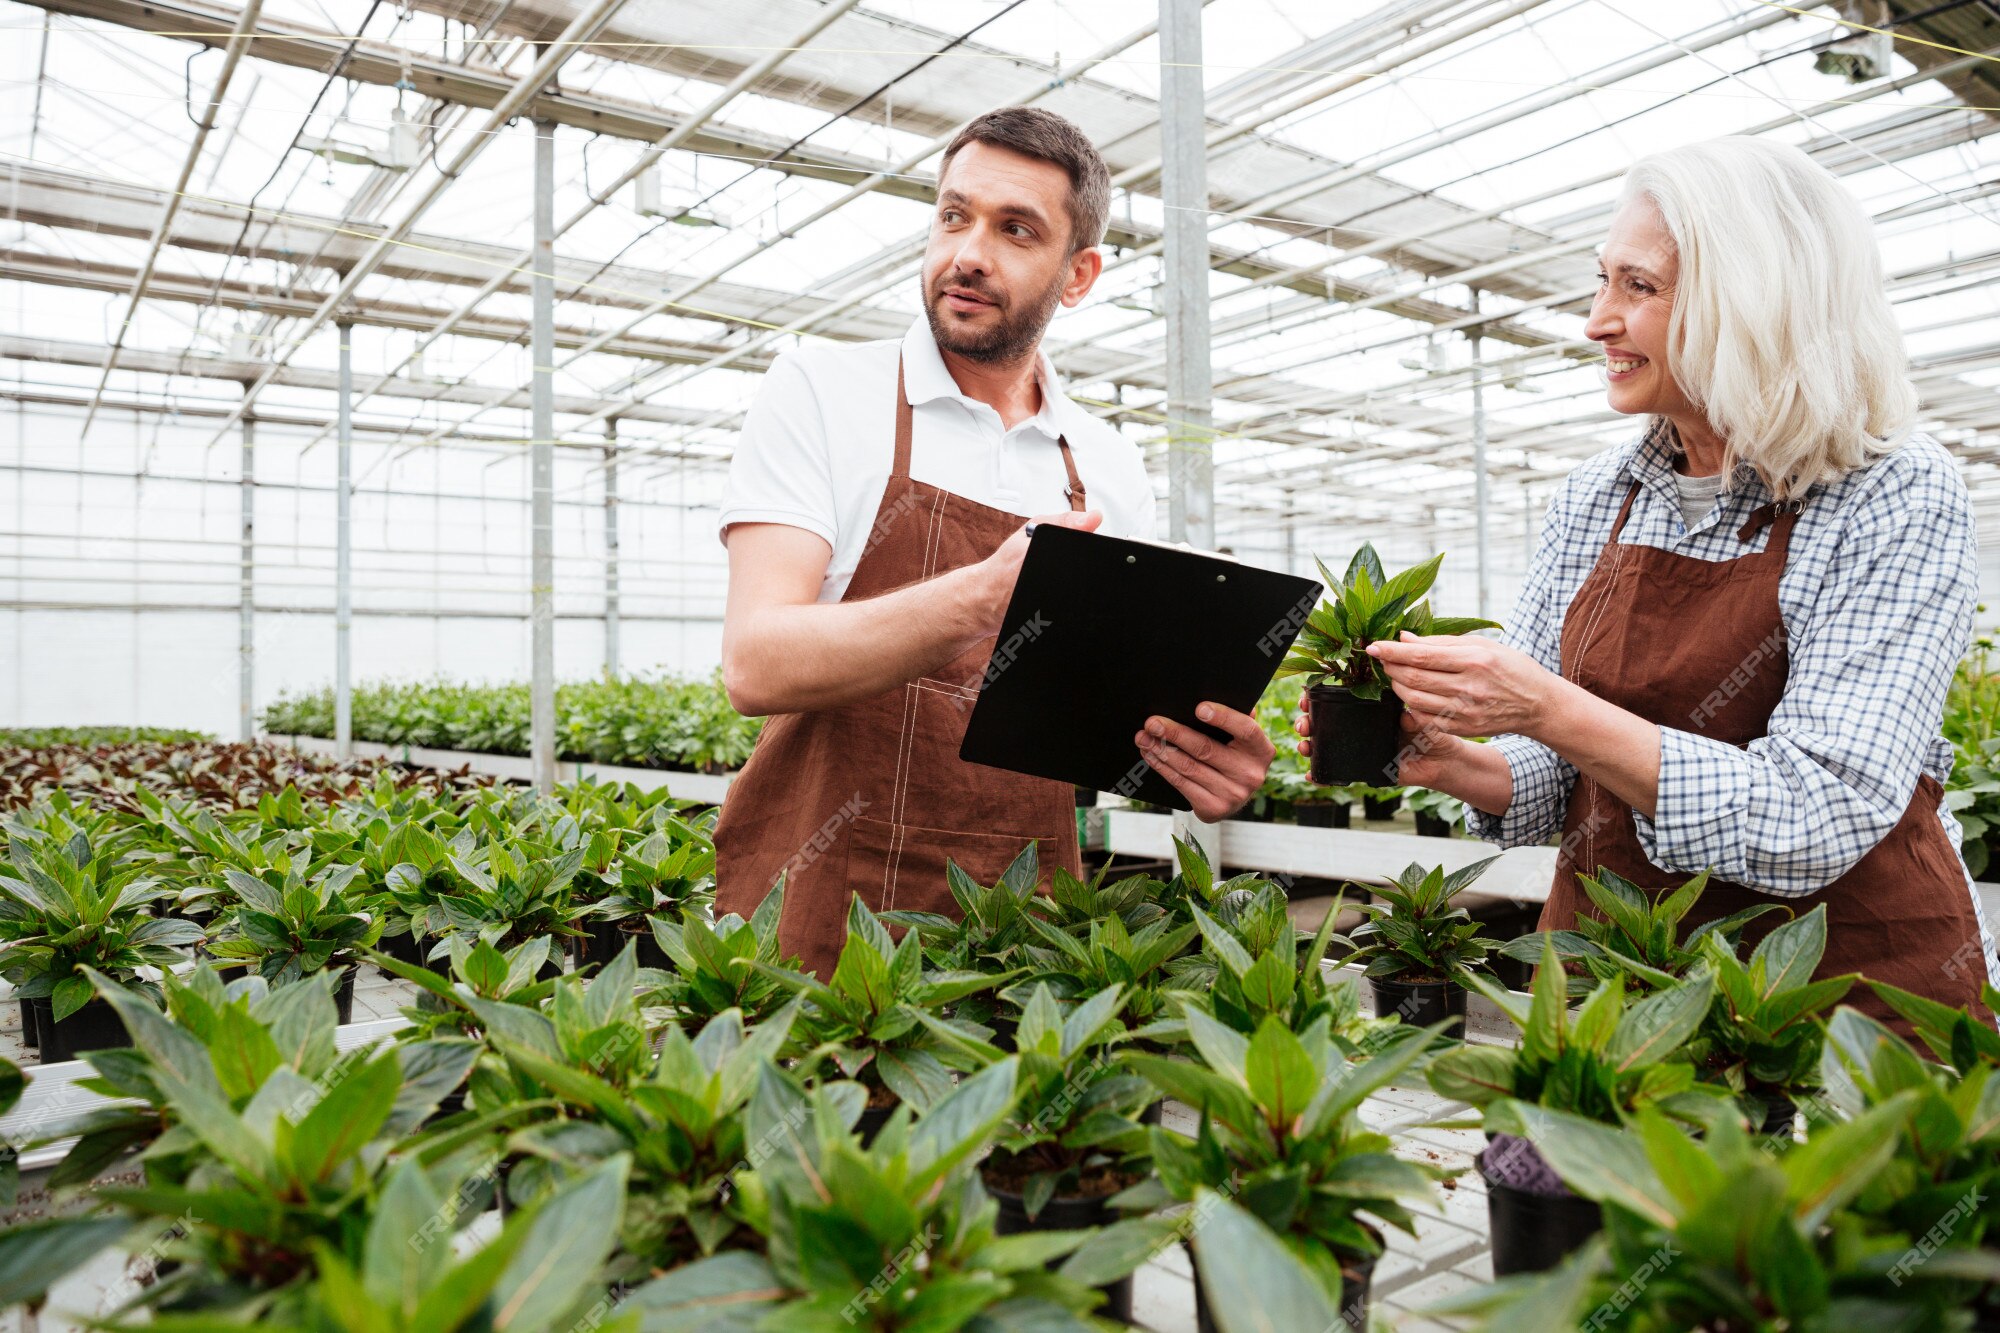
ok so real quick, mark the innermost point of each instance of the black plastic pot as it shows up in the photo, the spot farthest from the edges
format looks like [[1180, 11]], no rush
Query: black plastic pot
[[871, 1122], [1060, 1214], [95, 1027], [1421, 1003], [1354, 740], [29, 1036], [1151, 1115], [1324, 814], [1005, 1029], [606, 940], [404, 949], [1355, 1278], [1430, 826], [1086, 796], [343, 998], [1382, 808], [1531, 1231]]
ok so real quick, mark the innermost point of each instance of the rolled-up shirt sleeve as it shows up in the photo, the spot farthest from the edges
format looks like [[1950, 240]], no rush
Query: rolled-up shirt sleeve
[[1869, 670], [1542, 779]]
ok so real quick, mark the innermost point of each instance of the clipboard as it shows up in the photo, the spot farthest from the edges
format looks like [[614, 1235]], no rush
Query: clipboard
[[1104, 632]]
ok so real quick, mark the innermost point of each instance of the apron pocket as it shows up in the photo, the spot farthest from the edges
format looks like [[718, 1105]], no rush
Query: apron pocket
[[901, 866]]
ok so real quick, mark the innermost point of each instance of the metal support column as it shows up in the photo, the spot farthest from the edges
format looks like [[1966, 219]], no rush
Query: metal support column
[[611, 547], [541, 452], [246, 591], [1184, 192], [343, 556], [1481, 497]]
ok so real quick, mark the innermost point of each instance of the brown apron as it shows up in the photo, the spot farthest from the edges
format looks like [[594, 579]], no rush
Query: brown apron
[[1669, 637], [871, 798]]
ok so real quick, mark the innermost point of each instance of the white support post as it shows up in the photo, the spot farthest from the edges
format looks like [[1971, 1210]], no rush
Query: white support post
[[1481, 491], [541, 449], [611, 548], [343, 558], [246, 590], [1184, 191]]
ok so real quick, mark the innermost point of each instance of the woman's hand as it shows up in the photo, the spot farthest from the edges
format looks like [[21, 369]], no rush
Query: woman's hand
[[1217, 777], [1464, 685]]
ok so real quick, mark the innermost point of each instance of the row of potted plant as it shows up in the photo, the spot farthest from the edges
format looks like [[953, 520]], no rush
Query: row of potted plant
[[658, 721]]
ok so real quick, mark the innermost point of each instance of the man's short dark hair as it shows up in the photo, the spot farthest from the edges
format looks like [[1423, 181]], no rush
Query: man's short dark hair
[[1033, 132]]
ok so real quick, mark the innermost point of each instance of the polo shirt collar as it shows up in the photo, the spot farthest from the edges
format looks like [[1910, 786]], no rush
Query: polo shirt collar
[[925, 379]]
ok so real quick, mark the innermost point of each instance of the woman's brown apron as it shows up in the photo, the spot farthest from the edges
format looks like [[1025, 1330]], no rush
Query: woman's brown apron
[[871, 798], [1699, 645]]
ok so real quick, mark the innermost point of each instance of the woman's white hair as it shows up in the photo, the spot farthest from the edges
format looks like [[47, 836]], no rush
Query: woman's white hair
[[1781, 333]]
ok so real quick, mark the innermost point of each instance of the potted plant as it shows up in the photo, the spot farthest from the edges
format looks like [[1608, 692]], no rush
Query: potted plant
[[1718, 1234], [1638, 938], [671, 870], [714, 963], [1606, 1063], [1763, 1036], [1258, 964], [409, 870], [905, 1241], [867, 1019], [1379, 804], [1281, 1131], [1420, 947], [1109, 954], [1356, 718], [70, 905], [512, 899], [1077, 1133], [285, 926], [1437, 814], [991, 928]]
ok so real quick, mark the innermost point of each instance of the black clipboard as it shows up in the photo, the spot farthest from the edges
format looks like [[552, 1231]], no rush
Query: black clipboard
[[1103, 633]]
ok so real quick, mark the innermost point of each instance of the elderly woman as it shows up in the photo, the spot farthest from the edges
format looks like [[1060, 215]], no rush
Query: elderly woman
[[1735, 638]]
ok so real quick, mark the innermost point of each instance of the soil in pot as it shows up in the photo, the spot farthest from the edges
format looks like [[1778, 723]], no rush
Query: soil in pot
[[95, 1027], [1355, 1276], [1324, 814], [881, 1103], [1380, 808], [1430, 826], [1533, 1218], [1065, 1214], [605, 940], [1354, 740], [29, 1037], [1421, 1003]]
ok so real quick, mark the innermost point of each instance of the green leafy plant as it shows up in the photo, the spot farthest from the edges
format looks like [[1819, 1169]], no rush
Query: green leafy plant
[[1763, 1035], [726, 964], [68, 905], [897, 1236], [670, 870], [1109, 955], [1436, 804], [1281, 1130], [1727, 1236], [1606, 1062], [1257, 964], [867, 1019], [286, 925], [992, 921], [1421, 934], [1367, 605], [1075, 1130], [1639, 936], [512, 899]]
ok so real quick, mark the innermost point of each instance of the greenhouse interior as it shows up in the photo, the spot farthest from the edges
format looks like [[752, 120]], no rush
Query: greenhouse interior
[[1250, 665]]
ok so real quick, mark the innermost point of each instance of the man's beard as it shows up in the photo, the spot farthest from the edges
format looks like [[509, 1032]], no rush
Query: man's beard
[[1013, 338]]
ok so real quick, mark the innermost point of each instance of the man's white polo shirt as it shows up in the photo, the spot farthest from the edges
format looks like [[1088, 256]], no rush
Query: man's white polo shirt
[[820, 439]]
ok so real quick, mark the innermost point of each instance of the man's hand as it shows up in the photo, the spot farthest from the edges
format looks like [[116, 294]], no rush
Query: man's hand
[[994, 577], [1217, 778]]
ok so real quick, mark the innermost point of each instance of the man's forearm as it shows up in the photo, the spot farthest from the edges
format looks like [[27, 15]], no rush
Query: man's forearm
[[797, 659]]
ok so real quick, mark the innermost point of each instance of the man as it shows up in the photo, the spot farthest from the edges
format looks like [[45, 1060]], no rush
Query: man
[[874, 523]]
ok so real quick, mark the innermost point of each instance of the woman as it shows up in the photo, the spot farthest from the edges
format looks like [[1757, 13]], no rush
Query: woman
[[1735, 638]]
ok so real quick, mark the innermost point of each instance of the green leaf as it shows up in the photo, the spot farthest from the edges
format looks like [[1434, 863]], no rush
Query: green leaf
[[956, 1127], [569, 1237], [36, 1255], [1280, 1073], [409, 1240], [1658, 1025], [1791, 952], [346, 1118], [1598, 1162], [1253, 1283], [726, 1293]]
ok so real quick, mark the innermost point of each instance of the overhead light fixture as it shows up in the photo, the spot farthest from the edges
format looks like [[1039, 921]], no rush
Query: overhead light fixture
[[647, 200], [1861, 55], [1136, 301], [401, 150]]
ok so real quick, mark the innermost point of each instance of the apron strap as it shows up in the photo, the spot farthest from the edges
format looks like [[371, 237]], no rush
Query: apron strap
[[1074, 490], [901, 468], [1785, 514], [1624, 512]]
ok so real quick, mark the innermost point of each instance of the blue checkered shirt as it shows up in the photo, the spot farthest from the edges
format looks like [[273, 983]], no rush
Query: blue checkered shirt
[[1877, 596]]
